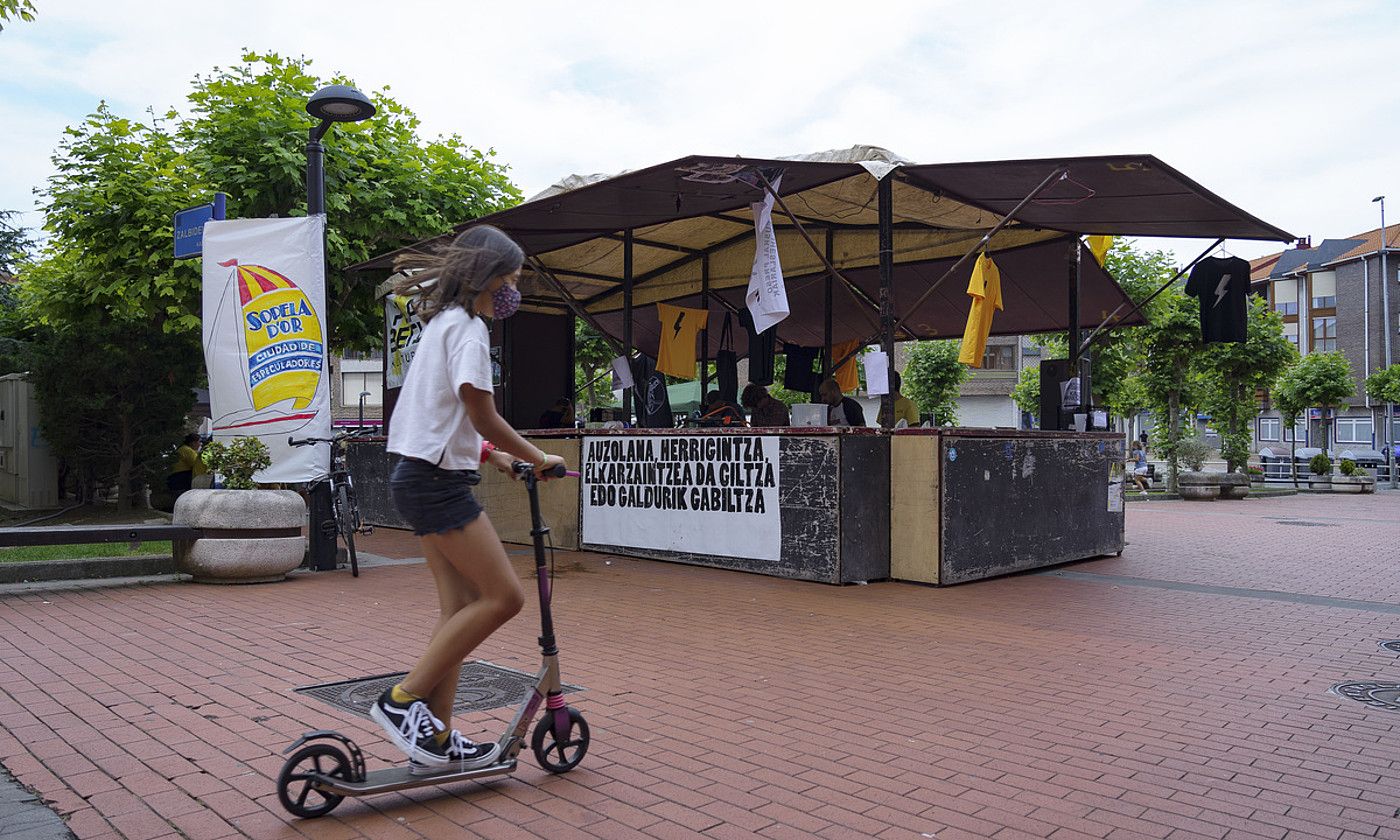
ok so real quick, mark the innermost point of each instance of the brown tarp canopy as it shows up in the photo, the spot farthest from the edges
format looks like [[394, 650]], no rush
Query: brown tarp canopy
[[691, 217]]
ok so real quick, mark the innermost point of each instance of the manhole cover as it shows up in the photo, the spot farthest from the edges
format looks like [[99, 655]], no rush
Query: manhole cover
[[481, 686], [1377, 695], [1392, 645]]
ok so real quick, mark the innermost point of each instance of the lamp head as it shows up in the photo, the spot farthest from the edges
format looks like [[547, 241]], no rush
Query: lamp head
[[1378, 198], [339, 103]]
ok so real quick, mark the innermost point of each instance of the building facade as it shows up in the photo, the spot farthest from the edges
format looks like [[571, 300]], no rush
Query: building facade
[[1331, 299]]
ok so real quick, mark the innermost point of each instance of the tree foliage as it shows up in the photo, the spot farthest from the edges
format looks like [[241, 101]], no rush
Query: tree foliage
[[593, 357], [1383, 386], [1232, 373], [1172, 339], [16, 10], [385, 187], [932, 377], [1320, 380], [15, 242], [114, 305]]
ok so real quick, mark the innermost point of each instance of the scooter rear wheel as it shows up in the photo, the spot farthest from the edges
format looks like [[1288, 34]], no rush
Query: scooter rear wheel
[[556, 754], [297, 789]]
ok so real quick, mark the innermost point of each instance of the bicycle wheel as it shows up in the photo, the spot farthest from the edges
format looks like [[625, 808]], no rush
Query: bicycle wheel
[[345, 524]]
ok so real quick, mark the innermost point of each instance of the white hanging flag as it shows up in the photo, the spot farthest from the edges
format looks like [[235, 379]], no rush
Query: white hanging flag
[[767, 297], [265, 339], [877, 373]]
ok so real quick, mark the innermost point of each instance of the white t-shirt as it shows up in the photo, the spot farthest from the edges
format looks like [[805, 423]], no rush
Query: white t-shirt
[[430, 420]]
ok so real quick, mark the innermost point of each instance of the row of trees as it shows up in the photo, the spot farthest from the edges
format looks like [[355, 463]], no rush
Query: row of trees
[[108, 322]]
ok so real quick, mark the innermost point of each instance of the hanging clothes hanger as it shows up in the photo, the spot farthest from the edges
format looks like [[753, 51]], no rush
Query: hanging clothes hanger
[[1223, 252]]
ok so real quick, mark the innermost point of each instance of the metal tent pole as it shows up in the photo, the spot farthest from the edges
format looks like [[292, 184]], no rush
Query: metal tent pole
[[705, 330], [827, 303], [627, 320], [885, 195]]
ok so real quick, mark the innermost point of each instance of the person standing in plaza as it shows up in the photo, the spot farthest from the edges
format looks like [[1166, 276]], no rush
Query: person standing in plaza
[[442, 414]]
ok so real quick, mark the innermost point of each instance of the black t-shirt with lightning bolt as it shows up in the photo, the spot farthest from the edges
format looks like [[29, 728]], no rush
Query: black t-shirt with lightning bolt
[[1222, 286]]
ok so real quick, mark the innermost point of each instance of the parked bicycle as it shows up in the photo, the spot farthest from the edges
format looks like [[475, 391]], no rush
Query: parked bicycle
[[346, 506]]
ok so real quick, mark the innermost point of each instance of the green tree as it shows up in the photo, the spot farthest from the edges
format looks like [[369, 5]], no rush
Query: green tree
[[385, 187], [1232, 373], [1383, 386], [1118, 355], [16, 10], [108, 266], [1172, 339], [15, 242], [1322, 380], [1026, 394], [932, 377], [593, 357], [118, 353], [1290, 406]]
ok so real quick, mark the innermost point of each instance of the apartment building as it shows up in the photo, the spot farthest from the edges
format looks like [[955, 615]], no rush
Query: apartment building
[[1330, 297]]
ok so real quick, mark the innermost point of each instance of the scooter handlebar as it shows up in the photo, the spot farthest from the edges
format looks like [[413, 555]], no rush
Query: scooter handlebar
[[556, 471]]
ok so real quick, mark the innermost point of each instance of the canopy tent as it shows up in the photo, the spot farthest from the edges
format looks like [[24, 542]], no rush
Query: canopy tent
[[683, 230]]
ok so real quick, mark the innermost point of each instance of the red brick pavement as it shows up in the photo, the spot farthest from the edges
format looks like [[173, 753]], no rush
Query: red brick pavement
[[726, 705]]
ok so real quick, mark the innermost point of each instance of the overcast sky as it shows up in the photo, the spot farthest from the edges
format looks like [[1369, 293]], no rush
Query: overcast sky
[[1287, 109]]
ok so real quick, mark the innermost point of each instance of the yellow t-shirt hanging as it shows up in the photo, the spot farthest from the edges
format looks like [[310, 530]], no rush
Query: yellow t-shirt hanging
[[675, 353], [985, 289], [846, 376], [1099, 245]]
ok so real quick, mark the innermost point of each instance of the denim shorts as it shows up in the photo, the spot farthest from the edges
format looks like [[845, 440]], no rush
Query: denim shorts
[[433, 500]]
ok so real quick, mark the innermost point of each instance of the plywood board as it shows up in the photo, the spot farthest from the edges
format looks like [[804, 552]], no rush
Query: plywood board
[[914, 492]]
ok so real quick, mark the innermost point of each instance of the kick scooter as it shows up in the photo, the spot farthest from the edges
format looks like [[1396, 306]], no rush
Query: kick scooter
[[326, 766]]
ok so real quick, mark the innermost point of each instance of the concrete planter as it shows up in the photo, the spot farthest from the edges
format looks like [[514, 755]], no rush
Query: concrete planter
[[251, 536], [1199, 486], [1350, 483], [1234, 485], [1320, 483]]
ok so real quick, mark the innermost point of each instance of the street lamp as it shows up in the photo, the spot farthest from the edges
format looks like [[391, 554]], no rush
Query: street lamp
[[1389, 325], [331, 104], [363, 394]]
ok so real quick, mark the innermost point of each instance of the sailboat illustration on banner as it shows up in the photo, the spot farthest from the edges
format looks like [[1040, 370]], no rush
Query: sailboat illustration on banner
[[280, 337]]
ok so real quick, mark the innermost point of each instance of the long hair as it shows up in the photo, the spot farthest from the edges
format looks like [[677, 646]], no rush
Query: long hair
[[453, 275]]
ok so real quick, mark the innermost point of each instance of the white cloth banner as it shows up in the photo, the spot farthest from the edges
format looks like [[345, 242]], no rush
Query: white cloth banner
[[265, 339], [621, 374], [402, 329], [703, 494], [767, 297], [877, 373]]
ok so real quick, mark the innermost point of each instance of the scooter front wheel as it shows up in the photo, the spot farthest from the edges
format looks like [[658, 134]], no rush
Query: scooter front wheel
[[560, 752], [296, 787]]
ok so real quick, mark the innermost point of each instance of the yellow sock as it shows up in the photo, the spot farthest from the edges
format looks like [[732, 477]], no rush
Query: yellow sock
[[400, 696], [441, 737]]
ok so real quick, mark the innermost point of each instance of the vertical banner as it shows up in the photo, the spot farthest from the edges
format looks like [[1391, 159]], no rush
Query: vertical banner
[[766, 297], [402, 329], [265, 339], [701, 494]]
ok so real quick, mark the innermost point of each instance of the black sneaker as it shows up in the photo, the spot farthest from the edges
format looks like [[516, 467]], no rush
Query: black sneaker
[[409, 725], [456, 754]]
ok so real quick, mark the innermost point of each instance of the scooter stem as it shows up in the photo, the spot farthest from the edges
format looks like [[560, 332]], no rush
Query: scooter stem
[[538, 532]]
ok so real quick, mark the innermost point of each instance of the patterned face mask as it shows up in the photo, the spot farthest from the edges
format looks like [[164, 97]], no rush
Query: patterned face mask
[[505, 301]]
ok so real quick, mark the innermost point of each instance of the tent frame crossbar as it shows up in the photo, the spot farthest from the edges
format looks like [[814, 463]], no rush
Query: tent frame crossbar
[[1059, 173]]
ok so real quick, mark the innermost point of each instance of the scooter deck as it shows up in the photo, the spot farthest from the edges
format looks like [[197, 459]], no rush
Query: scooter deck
[[399, 778]]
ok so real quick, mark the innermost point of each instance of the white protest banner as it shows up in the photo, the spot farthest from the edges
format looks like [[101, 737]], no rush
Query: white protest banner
[[766, 297], [402, 329], [265, 338], [703, 494]]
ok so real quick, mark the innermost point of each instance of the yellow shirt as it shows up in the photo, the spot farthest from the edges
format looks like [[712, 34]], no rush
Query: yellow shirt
[[985, 289], [187, 460], [904, 409], [675, 353]]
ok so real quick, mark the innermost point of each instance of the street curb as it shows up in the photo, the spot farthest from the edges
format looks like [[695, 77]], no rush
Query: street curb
[[87, 568], [24, 816]]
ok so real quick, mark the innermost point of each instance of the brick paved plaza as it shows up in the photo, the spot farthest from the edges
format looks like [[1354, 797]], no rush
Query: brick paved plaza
[[1179, 691]]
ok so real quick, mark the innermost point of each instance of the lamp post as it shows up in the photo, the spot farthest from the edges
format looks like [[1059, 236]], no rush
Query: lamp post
[[1389, 326], [331, 104]]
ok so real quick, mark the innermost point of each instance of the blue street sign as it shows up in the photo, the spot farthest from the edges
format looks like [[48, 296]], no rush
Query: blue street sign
[[189, 226]]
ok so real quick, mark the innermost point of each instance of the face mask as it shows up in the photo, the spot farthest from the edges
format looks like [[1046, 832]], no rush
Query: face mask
[[505, 301]]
